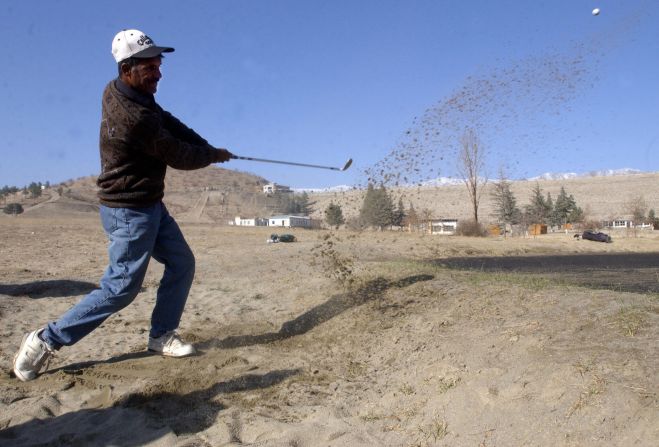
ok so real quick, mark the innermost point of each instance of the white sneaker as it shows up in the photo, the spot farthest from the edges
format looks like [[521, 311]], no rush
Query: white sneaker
[[31, 356], [171, 345]]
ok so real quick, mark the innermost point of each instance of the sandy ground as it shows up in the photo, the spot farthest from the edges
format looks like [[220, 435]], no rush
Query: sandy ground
[[343, 339]]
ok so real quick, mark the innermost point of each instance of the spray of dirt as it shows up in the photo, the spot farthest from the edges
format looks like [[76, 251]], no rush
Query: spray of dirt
[[514, 109], [518, 110], [334, 265]]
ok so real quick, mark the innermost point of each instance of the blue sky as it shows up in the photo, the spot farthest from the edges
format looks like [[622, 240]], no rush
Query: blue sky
[[321, 81]]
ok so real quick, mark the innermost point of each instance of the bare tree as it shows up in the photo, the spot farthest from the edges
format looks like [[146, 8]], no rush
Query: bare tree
[[471, 167], [637, 207]]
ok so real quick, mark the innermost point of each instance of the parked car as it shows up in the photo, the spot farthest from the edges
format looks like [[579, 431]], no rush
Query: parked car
[[596, 236]]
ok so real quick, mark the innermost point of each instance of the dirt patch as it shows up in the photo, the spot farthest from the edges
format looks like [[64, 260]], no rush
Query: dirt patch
[[437, 342]]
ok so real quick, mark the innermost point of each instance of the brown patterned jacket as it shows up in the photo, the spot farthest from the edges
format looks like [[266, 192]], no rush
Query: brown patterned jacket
[[138, 140]]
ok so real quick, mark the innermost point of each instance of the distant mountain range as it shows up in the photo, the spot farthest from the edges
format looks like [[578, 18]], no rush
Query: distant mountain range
[[569, 175], [339, 188], [448, 181]]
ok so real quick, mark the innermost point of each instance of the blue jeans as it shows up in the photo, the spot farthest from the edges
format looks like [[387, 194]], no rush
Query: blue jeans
[[136, 235]]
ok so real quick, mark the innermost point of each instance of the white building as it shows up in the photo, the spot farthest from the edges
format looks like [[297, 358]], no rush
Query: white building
[[250, 221], [443, 226], [623, 222], [619, 223], [272, 188], [290, 221]]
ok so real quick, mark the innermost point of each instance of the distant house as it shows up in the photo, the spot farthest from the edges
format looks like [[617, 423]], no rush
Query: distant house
[[272, 188], [496, 230], [537, 229], [626, 223], [290, 221], [443, 226], [618, 223], [250, 221]]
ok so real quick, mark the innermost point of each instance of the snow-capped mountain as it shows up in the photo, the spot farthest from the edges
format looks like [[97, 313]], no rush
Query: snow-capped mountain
[[570, 175], [449, 181], [338, 188]]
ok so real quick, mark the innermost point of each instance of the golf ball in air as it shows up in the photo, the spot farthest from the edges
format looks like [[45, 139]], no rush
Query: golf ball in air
[[596, 11]]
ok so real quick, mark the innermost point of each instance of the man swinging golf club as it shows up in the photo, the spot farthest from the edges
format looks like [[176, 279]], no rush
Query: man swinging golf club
[[138, 140]]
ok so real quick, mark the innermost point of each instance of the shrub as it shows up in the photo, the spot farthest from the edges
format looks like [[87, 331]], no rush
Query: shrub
[[356, 224], [13, 208], [591, 224], [471, 228]]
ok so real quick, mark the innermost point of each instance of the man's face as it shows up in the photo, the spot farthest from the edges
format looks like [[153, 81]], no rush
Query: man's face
[[144, 76]]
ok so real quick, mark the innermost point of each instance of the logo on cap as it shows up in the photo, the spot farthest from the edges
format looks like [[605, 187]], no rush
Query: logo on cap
[[144, 39]]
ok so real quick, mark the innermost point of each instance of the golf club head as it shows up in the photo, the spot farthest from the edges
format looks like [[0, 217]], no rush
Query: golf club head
[[347, 165]]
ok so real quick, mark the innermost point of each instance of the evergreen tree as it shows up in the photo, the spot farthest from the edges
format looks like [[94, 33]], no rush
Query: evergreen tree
[[378, 208], [334, 215], [34, 189], [368, 205], [305, 207], [565, 209], [561, 209], [576, 215], [384, 210], [653, 219], [549, 203], [537, 211], [399, 214], [505, 204], [296, 204]]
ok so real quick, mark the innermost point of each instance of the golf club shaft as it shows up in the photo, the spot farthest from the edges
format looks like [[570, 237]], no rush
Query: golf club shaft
[[237, 157]]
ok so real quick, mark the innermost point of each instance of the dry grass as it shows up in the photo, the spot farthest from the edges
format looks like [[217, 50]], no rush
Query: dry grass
[[406, 389], [589, 395], [630, 320], [436, 430], [446, 383]]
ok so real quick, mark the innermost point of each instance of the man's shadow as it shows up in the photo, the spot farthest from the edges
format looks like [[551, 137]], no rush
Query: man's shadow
[[371, 291], [140, 418], [49, 288]]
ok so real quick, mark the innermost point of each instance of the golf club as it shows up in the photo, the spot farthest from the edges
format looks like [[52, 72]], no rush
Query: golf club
[[346, 166]]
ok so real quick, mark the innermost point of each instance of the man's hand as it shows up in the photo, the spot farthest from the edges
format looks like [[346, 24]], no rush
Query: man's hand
[[222, 155]]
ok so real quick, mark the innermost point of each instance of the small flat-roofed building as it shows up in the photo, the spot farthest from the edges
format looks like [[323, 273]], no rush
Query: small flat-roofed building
[[290, 221]]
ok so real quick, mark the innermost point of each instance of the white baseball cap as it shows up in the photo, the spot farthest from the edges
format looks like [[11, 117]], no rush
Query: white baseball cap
[[134, 43]]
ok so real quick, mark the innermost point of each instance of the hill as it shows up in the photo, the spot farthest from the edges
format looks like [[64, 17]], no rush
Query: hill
[[601, 197], [211, 194], [218, 195]]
